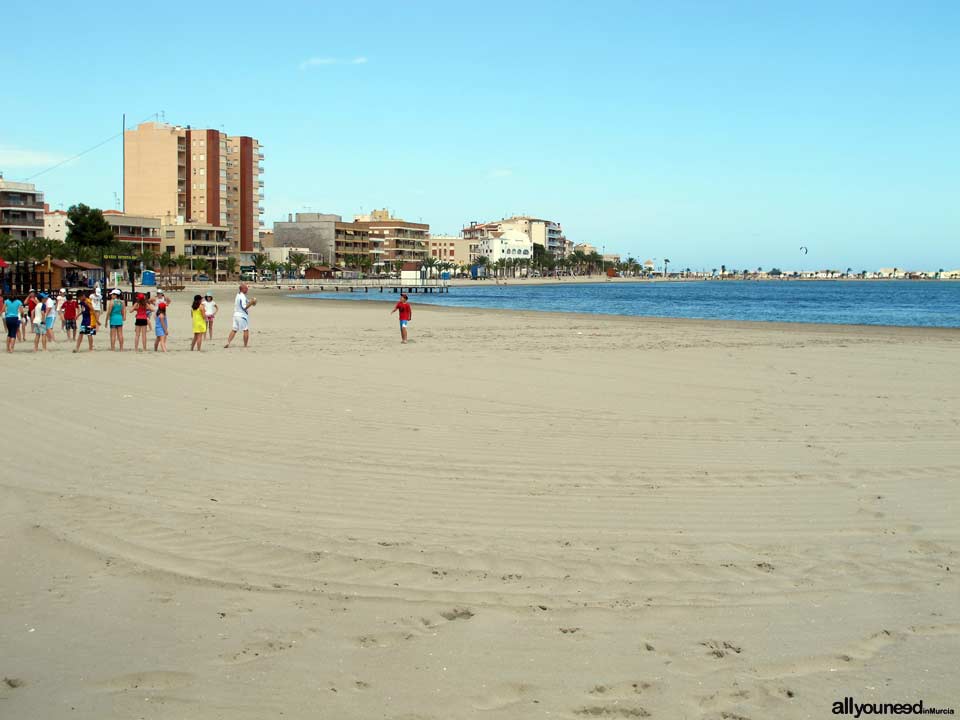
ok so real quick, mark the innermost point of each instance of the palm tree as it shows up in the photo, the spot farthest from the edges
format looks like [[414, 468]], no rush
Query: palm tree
[[165, 261], [666, 265], [149, 258], [483, 262], [429, 263], [231, 265], [298, 260], [181, 261], [259, 261], [201, 266]]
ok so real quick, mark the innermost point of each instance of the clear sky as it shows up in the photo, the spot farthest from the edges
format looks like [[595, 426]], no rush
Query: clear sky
[[708, 132]]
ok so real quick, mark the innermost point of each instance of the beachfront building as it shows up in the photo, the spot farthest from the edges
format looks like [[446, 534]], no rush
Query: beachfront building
[[546, 233], [585, 248], [54, 224], [141, 232], [198, 242], [267, 239], [331, 240], [394, 241], [184, 174], [21, 210], [507, 245], [453, 249]]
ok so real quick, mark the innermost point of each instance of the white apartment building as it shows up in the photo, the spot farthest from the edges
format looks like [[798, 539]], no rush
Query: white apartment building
[[510, 244], [546, 233]]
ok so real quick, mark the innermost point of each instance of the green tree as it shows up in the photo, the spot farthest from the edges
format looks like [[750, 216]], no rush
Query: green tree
[[483, 262], [182, 262], [260, 262], [231, 265], [149, 258], [201, 266], [166, 261], [88, 231], [298, 260]]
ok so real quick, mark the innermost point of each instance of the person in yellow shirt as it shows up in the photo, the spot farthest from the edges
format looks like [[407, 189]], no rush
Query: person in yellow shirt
[[199, 322]]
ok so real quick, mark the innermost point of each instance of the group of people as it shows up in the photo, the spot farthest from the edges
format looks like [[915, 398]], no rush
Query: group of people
[[84, 313]]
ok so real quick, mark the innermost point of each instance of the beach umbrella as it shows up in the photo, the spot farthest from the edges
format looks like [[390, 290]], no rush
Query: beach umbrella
[[3, 264]]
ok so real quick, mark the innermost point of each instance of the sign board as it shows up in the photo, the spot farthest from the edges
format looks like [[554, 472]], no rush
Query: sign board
[[119, 257]]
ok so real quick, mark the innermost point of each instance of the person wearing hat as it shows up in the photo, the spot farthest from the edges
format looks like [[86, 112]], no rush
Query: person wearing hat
[[141, 309], [116, 314], [61, 299], [161, 329], [162, 300], [209, 311]]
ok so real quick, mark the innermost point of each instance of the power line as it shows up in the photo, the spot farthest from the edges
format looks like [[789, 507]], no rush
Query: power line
[[88, 150]]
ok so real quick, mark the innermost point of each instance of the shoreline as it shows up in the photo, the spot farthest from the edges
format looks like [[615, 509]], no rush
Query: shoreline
[[691, 323], [680, 321]]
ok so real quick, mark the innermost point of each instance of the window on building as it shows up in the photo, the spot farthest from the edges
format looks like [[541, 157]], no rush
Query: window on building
[[202, 171], [171, 233]]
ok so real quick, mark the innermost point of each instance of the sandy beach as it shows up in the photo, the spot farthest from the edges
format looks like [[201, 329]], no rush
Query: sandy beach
[[517, 515]]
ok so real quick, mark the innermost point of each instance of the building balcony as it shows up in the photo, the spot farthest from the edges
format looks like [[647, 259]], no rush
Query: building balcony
[[17, 203], [21, 222]]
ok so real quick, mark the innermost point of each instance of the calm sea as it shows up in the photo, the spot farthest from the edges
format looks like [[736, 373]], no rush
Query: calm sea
[[907, 303]]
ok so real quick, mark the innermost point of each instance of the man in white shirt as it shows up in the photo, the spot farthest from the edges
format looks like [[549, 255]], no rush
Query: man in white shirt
[[241, 316]]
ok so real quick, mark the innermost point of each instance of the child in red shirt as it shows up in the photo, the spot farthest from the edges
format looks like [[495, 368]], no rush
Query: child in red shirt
[[69, 311], [406, 315]]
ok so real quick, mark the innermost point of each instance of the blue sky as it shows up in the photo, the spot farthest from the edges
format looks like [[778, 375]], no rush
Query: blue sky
[[707, 132]]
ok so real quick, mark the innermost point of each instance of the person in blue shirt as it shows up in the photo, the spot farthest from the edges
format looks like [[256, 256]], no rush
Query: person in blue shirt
[[12, 309]]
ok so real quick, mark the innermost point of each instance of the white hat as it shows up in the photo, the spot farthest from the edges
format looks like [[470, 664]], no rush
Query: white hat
[[114, 292], [159, 292]]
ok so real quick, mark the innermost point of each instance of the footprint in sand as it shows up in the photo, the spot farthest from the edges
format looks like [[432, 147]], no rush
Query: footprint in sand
[[153, 681], [612, 711], [721, 649]]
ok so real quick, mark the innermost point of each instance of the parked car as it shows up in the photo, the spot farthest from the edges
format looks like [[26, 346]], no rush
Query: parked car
[[203, 277]]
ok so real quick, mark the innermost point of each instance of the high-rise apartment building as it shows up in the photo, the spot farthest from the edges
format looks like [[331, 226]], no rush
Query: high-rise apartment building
[[196, 175]]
